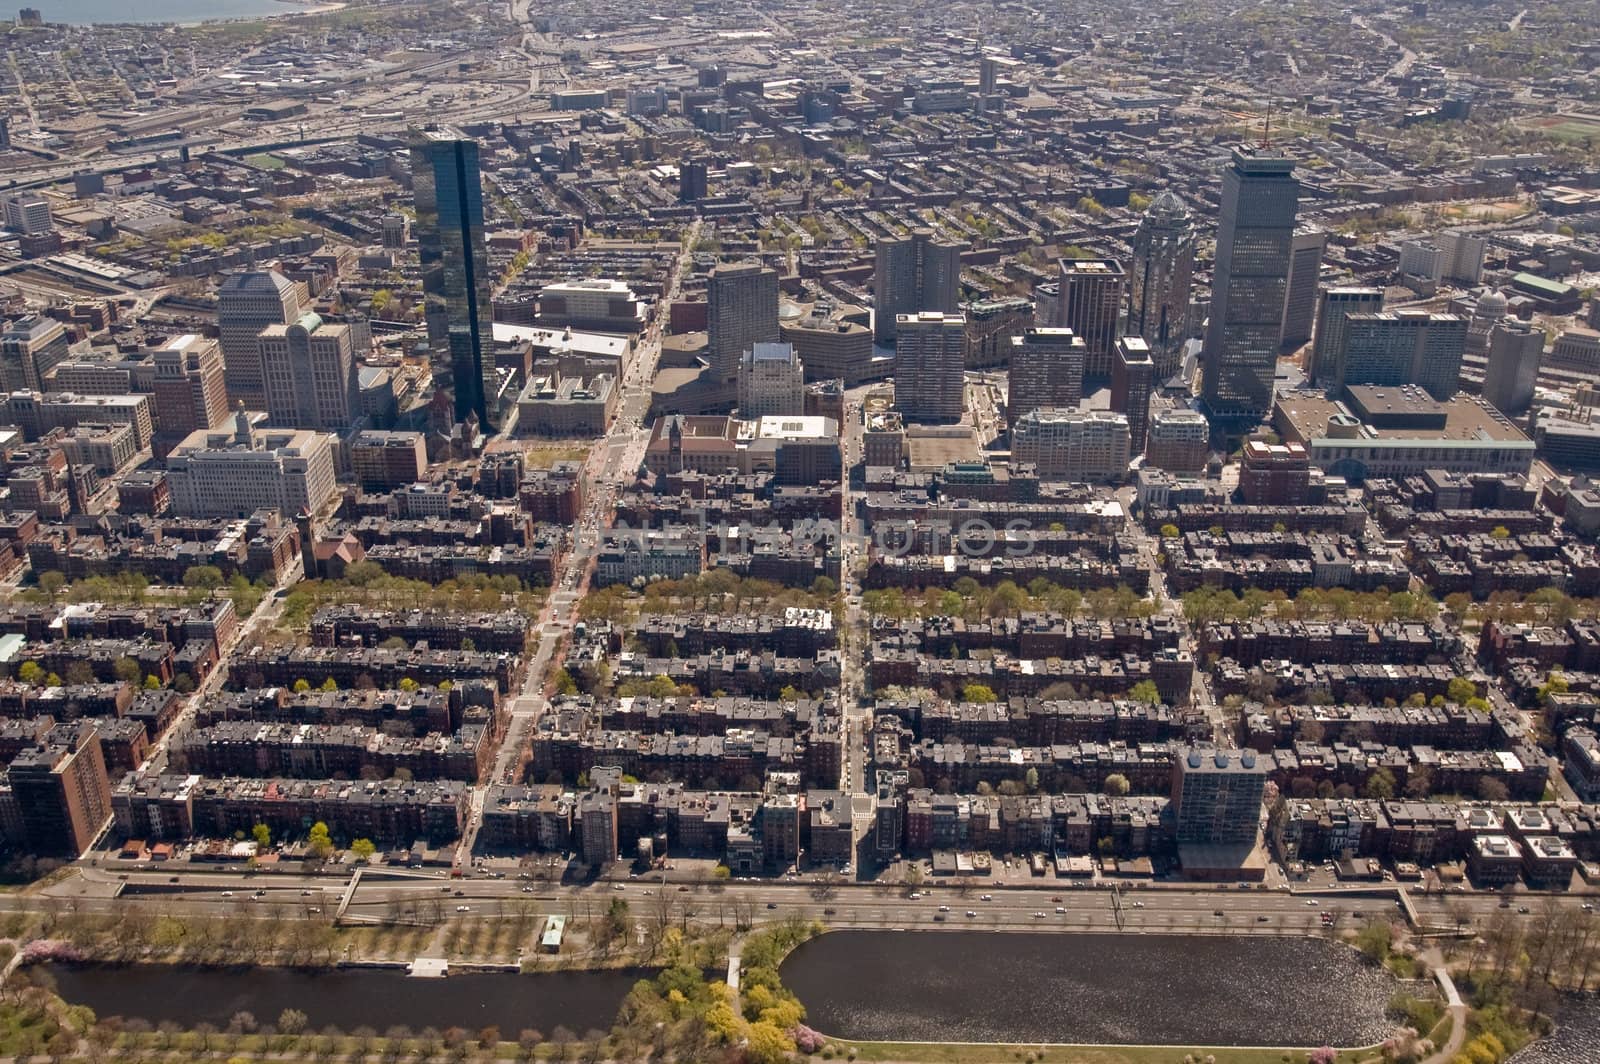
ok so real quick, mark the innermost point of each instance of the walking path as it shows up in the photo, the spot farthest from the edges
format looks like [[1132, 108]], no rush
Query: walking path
[[1457, 1008]]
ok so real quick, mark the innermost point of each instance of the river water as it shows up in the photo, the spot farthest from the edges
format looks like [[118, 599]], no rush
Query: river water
[[1577, 1035], [85, 12], [350, 997], [970, 986], [880, 985]]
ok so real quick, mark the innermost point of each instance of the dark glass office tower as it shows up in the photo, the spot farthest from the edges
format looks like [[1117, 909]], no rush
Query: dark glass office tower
[[1249, 283], [456, 284]]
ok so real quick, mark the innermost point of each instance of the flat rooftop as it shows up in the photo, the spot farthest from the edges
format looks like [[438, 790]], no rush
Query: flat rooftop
[[1465, 419]]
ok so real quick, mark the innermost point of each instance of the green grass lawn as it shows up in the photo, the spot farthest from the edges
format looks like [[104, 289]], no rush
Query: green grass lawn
[[265, 161]]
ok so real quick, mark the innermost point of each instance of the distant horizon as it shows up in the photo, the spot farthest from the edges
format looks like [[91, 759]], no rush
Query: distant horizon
[[185, 12]]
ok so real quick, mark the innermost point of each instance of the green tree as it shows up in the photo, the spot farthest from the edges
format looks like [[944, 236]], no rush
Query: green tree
[[977, 692], [1554, 684], [1374, 940], [722, 873], [790, 694], [767, 1044], [362, 849], [51, 582], [617, 917], [318, 840], [407, 684], [330, 684], [52, 680], [1380, 784], [1500, 532], [1145, 691], [1117, 785], [1030, 780], [301, 686], [565, 684], [1459, 690], [127, 670], [31, 672], [152, 683], [263, 835], [202, 577], [1169, 531]]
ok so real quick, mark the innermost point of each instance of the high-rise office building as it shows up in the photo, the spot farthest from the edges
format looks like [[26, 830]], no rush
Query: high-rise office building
[[247, 303], [1250, 281], [31, 347], [741, 311], [1090, 304], [991, 325], [1453, 256], [1159, 283], [189, 390], [1046, 371], [1087, 445], [1328, 347], [1404, 347], [692, 181], [1216, 797], [1515, 350], [928, 383], [771, 382], [834, 342], [1462, 257], [396, 231], [310, 372], [1179, 440], [456, 283], [913, 273], [1300, 303], [233, 471], [1132, 380], [28, 213]]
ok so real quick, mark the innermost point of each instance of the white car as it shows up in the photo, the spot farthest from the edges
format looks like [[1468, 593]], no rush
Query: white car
[[463, 908], [944, 908]]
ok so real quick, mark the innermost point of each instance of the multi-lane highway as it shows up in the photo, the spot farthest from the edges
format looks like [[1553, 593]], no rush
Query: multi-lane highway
[[1052, 907]]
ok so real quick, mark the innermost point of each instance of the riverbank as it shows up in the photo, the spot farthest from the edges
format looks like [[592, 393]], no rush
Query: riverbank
[[1056, 1053]]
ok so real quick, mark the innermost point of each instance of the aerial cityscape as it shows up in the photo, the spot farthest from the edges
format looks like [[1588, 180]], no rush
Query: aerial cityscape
[[748, 532]]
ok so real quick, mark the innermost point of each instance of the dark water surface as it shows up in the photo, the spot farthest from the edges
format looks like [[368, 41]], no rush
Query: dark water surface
[[1577, 1036], [973, 986], [351, 997]]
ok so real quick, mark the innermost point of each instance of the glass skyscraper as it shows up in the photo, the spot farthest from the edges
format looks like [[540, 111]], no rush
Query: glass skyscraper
[[456, 284], [1249, 283]]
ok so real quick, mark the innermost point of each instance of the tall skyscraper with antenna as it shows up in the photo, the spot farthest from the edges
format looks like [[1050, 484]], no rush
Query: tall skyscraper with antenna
[[1255, 240]]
